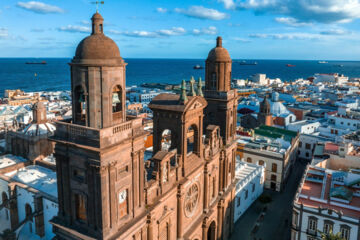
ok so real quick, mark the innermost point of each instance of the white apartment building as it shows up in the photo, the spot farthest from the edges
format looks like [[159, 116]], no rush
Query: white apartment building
[[348, 121], [249, 186], [304, 126], [143, 95], [273, 148], [28, 199]]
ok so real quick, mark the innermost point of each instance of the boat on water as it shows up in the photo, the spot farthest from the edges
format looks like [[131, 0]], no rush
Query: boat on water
[[322, 62], [290, 65], [42, 62], [198, 67], [248, 63], [339, 65]]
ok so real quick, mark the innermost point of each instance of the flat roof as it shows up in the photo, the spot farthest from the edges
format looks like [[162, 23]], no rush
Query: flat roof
[[274, 132], [10, 160], [37, 177]]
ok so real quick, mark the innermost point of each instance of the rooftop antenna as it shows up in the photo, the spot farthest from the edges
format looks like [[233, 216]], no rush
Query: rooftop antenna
[[97, 4]]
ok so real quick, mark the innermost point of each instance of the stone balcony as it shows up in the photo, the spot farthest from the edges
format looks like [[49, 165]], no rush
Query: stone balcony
[[97, 138]]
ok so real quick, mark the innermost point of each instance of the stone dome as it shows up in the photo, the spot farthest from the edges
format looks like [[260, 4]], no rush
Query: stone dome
[[97, 46], [278, 109], [218, 53]]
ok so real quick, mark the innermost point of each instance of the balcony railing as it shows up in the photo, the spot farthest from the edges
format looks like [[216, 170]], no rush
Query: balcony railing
[[94, 137]]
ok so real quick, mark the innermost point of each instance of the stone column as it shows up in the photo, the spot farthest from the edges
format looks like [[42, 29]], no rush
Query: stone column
[[206, 188], [220, 218], [180, 199], [150, 229]]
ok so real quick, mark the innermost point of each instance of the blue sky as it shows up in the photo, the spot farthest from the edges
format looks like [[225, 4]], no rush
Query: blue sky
[[251, 29]]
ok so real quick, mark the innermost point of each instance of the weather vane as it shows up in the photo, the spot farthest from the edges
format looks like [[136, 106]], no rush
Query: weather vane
[[97, 4]]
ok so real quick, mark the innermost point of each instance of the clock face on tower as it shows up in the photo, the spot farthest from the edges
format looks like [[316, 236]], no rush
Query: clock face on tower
[[122, 196], [191, 199]]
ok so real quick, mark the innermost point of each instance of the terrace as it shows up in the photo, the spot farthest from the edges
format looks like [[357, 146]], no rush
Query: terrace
[[322, 188]]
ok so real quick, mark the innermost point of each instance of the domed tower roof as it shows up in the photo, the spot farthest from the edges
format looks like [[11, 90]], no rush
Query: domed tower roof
[[275, 97], [97, 46], [265, 106], [218, 53]]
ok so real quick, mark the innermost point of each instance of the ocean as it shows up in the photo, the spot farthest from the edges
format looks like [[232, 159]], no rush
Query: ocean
[[55, 75]]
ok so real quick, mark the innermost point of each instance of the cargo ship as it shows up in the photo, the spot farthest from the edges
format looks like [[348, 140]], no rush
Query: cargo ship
[[42, 62], [247, 63]]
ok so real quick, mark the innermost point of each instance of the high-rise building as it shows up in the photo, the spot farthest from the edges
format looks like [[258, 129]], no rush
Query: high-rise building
[[107, 191]]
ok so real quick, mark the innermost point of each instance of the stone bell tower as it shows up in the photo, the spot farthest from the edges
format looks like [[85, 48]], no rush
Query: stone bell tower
[[39, 113], [98, 80], [99, 154], [222, 100]]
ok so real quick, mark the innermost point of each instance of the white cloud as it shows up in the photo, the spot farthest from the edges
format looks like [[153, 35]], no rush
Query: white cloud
[[161, 10], [291, 22], [205, 31], [244, 40], [287, 36], [85, 22], [74, 28], [112, 31], [172, 32], [4, 33], [324, 11], [335, 32], [202, 13], [229, 4], [143, 34], [39, 7]]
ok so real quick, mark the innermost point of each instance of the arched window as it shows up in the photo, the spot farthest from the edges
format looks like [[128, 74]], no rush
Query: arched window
[[261, 162], [274, 167], [249, 160], [28, 211], [80, 207], [214, 187], [4, 197], [166, 140], [80, 105], [117, 102], [213, 81], [192, 140], [211, 233], [273, 177]]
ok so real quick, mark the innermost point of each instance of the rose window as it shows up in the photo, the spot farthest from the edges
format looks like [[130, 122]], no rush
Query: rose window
[[191, 199]]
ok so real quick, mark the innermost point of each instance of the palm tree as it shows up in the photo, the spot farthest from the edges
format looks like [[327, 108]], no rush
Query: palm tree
[[331, 236]]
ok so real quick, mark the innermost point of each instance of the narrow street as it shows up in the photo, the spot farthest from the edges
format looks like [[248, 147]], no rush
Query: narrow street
[[276, 223]]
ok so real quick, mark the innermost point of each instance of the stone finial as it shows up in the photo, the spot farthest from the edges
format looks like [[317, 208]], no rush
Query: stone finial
[[192, 87], [199, 88], [219, 42], [97, 22], [183, 97]]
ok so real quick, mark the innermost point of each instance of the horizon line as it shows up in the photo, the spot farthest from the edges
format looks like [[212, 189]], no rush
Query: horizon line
[[171, 58]]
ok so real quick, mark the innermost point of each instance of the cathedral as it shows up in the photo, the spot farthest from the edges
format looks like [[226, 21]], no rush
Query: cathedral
[[105, 188]]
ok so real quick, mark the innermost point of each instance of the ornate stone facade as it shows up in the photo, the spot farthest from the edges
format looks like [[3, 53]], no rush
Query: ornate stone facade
[[107, 191]]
